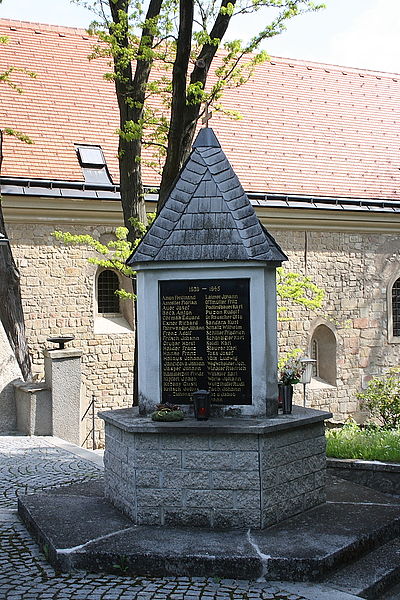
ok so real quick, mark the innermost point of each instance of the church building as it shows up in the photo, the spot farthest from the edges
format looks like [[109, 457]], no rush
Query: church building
[[316, 151]]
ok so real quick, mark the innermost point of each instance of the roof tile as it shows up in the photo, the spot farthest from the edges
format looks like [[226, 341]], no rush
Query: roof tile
[[307, 128]]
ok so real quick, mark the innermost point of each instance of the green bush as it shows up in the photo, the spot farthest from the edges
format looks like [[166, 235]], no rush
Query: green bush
[[382, 398]]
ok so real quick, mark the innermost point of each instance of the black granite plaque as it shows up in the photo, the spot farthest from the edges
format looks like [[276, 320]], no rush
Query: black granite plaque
[[205, 340]]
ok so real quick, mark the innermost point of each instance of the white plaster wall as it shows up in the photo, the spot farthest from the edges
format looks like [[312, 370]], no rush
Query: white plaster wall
[[9, 371]]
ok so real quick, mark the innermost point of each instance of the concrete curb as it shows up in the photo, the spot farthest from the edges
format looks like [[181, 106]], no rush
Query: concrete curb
[[84, 453], [313, 591], [381, 476]]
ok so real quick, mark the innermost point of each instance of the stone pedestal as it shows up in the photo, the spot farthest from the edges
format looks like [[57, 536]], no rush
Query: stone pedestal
[[226, 473], [63, 376]]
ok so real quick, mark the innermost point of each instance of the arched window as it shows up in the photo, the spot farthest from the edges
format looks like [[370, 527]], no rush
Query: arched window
[[314, 355], [396, 308], [107, 300], [323, 350]]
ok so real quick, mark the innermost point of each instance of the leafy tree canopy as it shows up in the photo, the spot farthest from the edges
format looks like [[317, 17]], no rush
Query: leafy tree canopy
[[167, 72]]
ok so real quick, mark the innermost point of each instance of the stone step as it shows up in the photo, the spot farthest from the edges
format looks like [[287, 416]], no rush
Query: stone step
[[393, 593], [371, 574], [355, 521], [307, 547]]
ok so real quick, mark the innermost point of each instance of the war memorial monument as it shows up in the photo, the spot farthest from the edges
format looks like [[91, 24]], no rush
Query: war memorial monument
[[240, 495], [207, 320]]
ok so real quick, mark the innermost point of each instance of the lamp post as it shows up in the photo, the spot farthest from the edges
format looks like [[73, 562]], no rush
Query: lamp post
[[307, 374]]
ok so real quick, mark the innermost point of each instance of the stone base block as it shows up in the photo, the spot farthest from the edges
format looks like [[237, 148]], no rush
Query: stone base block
[[33, 405], [228, 473]]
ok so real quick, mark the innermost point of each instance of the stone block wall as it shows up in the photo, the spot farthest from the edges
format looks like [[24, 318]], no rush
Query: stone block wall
[[215, 480], [353, 268], [294, 472]]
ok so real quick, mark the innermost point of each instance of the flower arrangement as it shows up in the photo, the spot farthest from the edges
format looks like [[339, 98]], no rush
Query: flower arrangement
[[167, 412], [291, 372]]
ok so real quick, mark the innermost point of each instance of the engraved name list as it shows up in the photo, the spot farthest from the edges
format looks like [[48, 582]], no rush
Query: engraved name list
[[205, 340]]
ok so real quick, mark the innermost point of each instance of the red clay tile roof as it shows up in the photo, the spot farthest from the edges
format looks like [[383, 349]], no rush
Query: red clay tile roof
[[307, 128]]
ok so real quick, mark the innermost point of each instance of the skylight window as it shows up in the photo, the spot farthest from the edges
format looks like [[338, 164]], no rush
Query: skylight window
[[93, 163]]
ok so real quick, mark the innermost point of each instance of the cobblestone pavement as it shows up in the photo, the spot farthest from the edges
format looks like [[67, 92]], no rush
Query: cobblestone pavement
[[29, 464]]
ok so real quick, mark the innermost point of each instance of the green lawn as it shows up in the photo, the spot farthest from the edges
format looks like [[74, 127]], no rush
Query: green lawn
[[369, 444]]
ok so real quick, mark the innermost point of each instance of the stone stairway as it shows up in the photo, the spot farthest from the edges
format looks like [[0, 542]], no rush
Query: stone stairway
[[350, 544], [370, 575]]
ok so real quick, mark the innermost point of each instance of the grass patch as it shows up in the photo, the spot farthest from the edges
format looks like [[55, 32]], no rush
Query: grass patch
[[371, 443]]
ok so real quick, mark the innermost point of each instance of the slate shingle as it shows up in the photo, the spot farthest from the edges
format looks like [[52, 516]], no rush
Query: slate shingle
[[207, 215]]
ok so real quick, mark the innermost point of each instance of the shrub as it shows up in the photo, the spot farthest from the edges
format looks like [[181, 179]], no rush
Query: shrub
[[382, 398]]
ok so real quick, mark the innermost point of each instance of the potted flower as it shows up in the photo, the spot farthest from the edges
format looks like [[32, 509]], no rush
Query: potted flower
[[289, 374]]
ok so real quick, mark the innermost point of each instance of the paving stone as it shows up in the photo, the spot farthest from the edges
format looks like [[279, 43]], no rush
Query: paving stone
[[33, 464]]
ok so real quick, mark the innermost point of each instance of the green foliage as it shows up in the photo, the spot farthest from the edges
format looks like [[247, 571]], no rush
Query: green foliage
[[115, 253], [382, 398], [6, 77], [298, 289], [154, 41], [131, 130], [122, 564], [293, 354], [46, 551], [163, 416], [370, 443], [22, 137], [167, 412]]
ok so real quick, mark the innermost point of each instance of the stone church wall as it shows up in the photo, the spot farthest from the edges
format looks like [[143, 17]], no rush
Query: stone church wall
[[353, 268], [58, 297]]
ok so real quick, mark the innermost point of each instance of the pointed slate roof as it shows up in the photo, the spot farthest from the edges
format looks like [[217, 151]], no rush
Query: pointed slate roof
[[207, 215]]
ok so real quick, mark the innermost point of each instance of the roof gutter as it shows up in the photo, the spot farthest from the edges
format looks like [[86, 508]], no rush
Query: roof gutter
[[63, 188]]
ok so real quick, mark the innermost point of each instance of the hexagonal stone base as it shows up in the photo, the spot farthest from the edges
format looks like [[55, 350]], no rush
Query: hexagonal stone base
[[225, 473]]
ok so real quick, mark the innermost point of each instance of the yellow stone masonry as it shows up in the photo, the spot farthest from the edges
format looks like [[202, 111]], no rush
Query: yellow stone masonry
[[353, 268]]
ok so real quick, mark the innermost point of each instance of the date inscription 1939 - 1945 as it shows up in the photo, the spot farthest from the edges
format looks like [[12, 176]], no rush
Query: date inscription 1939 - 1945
[[205, 340]]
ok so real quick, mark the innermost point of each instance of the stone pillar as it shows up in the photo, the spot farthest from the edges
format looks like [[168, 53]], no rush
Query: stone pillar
[[63, 376]]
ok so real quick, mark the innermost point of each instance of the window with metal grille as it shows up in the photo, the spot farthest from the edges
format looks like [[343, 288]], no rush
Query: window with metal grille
[[107, 284], [314, 355], [396, 308]]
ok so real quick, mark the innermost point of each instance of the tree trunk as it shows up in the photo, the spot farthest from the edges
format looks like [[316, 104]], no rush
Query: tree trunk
[[131, 91], [183, 124], [178, 105], [11, 312]]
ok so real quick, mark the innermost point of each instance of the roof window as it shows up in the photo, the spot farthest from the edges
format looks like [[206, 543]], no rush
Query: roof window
[[93, 163]]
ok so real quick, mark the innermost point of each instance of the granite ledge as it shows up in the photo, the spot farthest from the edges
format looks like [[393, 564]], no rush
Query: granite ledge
[[127, 420], [357, 464]]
